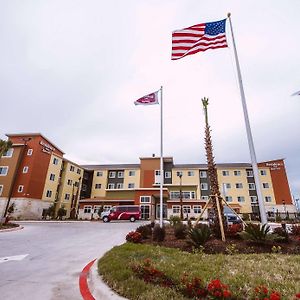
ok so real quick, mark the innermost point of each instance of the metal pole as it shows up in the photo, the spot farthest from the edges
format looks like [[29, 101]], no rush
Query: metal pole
[[161, 159], [262, 209]]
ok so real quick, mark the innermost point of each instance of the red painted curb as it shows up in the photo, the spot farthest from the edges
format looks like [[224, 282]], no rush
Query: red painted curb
[[83, 285]]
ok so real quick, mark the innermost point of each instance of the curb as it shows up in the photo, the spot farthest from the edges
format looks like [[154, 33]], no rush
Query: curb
[[83, 284], [12, 229], [92, 287]]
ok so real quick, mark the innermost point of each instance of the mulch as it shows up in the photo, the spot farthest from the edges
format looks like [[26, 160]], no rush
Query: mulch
[[232, 245]]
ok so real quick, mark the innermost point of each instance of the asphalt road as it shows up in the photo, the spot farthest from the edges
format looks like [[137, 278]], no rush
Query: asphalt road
[[57, 253]]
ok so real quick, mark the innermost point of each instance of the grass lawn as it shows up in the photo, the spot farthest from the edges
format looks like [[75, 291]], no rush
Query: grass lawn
[[242, 272]]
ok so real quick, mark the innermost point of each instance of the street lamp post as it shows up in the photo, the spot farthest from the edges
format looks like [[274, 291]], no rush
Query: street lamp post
[[179, 174]]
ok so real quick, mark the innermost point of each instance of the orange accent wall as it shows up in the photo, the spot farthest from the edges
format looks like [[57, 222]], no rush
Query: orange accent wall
[[148, 166], [279, 180], [38, 163]]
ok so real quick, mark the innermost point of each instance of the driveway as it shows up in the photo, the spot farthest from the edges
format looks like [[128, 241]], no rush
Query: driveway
[[57, 253]]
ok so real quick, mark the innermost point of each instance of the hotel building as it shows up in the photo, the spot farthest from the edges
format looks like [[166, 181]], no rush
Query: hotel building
[[139, 184], [34, 175]]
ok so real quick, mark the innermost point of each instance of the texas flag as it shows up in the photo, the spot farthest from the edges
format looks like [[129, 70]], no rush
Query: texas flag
[[149, 99]]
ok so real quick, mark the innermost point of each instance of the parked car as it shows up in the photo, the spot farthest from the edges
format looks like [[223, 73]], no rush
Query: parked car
[[122, 212], [230, 216]]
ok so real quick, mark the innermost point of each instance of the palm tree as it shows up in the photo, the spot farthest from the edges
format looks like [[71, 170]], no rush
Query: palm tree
[[212, 174], [4, 146]]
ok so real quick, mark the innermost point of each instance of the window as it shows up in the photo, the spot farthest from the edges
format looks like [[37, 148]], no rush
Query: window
[[48, 194], [76, 183], [112, 174], [251, 186], [197, 209], [97, 209], [8, 153], [265, 185], [228, 198], [237, 173], [69, 182], [52, 177], [227, 185], [157, 172], [145, 199], [191, 173], [78, 171], [111, 186], [186, 209], [55, 161], [99, 173], [168, 174], [120, 174], [131, 173], [239, 185], [204, 198], [225, 173], [203, 174], [253, 199], [67, 196], [25, 169], [98, 186], [185, 195], [20, 188], [3, 171], [268, 199], [175, 209], [72, 168], [203, 186], [119, 185], [263, 172], [87, 209], [1, 189], [29, 152], [131, 185], [249, 173], [179, 173], [241, 199]]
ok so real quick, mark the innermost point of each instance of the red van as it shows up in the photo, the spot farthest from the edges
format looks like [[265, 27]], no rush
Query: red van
[[122, 212]]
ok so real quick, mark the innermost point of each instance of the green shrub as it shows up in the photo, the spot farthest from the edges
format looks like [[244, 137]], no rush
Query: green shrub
[[257, 233], [180, 231], [198, 236], [174, 220], [159, 233], [281, 234], [145, 230]]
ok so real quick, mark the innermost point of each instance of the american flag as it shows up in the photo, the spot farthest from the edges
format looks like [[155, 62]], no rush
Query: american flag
[[198, 38]]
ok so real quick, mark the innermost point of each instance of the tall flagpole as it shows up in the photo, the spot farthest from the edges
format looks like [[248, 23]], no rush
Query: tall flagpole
[[161, 159], [261, 204]]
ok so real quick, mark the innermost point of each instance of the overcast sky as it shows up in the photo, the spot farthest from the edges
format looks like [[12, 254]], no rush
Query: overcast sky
[[72, 70]]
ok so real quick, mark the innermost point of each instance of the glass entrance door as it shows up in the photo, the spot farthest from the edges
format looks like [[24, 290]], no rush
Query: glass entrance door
[[145, 212], [164, 211]]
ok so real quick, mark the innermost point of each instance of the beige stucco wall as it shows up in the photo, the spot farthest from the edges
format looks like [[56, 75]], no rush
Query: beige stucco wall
[[49, 184], [99, 180]]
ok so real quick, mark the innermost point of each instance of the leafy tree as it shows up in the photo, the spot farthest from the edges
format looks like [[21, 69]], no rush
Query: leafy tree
[[4, 146], [61, 212]]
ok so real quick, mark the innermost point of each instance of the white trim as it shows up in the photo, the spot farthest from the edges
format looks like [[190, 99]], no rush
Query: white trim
[[20, 188], [4, 168], [10, 151], [25, 169], [1, 189]]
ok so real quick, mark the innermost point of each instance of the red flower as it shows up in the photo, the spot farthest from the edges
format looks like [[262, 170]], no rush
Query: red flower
[[227, 294], [275, 296], [297, 296]]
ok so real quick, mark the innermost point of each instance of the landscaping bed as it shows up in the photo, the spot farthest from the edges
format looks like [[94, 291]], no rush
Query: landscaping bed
[[232, 244], [241, 273], [8, 226]]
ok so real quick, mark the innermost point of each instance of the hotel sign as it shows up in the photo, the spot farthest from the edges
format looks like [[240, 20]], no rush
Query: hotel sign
[[46, 147], [275, 165]]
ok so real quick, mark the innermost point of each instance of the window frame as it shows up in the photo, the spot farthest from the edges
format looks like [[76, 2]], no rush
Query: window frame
[[4, 168], [20, 188], [29, 152], [111, 186], [112, 174], [145, 197], [4, 155], [25, 170], [197, 207]]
